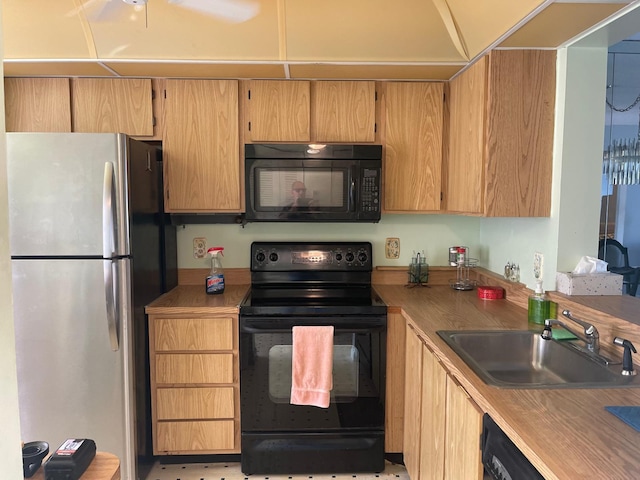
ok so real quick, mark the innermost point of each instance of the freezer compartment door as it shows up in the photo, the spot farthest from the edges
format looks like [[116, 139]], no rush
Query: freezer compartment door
[[70, 381], [56, 185]]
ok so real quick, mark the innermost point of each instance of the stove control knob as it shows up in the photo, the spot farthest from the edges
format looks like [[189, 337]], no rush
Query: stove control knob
[[362, 256], [260, 257], [350, 257], [273, 256], [338, 257]]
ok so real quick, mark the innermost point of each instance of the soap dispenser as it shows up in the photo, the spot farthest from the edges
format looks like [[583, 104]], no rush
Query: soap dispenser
[[539, 308]]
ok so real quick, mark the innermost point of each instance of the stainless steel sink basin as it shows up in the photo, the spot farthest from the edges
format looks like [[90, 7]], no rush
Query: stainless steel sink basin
[[523, 359]]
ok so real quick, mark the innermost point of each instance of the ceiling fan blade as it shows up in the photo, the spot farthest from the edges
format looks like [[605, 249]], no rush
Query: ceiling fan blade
[[235, 11], [84, 6], [107, 10]]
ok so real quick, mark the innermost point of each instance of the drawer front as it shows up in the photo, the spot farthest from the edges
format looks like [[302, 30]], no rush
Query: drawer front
[[173, 334], [195, 436], [190, 368], [195, 403]]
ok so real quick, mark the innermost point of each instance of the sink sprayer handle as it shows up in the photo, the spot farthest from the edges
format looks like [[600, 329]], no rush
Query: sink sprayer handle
[[627, 360]]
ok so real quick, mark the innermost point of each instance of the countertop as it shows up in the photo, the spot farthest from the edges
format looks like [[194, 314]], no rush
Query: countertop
[[565, 433], [190, 299], [104, 466]]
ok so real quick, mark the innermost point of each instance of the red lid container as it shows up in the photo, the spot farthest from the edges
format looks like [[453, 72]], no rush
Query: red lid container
[[490, 293]]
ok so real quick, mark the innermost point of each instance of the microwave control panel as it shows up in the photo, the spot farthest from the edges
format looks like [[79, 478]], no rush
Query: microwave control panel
[[370, 192]]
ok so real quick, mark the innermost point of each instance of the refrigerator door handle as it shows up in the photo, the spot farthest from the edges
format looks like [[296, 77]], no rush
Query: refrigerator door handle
[[108, 247], [108, 212], [110, 296]]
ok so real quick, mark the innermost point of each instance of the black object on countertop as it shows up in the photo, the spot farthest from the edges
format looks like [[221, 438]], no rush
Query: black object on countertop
[[32, 455], [70, 460]]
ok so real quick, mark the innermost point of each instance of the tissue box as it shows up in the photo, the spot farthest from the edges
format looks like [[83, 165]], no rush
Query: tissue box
[[606, 283]]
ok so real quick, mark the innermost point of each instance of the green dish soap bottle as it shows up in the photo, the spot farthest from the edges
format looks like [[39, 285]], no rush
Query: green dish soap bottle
[[540, 308], [215, 279]]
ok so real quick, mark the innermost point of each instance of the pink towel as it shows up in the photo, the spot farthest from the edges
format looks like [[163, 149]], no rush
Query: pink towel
[[312, 366]]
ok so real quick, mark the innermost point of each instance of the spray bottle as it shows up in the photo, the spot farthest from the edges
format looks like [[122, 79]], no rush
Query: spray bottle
[[215, 279]]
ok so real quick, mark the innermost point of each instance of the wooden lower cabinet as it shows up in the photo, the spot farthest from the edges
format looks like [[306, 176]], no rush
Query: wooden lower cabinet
[[442, 425], [195, 437], [394, 399], [463, 455], [195, 401]]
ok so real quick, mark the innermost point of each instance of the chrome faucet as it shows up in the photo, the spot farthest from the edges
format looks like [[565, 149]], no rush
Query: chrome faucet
[[590, 337]]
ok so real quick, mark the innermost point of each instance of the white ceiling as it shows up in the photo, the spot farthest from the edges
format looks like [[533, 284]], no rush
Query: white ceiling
[[378, 39]]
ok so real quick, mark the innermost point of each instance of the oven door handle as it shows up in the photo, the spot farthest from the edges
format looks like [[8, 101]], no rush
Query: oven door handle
[[372, 329]]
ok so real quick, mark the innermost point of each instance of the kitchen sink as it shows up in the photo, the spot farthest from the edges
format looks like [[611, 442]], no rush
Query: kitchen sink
[[523, 359]]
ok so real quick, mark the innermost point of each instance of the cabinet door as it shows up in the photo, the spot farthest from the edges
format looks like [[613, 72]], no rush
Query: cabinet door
[[343, 111], [467, 101], [113, 105], [433, 415], [394, 401], [201, 146], [195, 403], [195, 437], [192, 369], [278, 111], [463, 457], [412, 404], [520, 133], [192, 334], [37, 104], [413, 147]]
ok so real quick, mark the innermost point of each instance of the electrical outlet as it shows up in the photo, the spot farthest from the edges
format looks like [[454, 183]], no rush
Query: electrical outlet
[[199, 247], [538, 260]]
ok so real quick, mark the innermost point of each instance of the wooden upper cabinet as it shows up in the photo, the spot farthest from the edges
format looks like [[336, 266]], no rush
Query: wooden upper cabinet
[[303, 111], [278, 111], [412, 132], [501, 135], [201, 146], [37, 105], [466, 102], [117, 105], [343, 111]]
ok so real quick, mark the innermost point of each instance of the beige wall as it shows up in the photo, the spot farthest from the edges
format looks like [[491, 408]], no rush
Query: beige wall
[[432, 233], [572, 229], [10, 454]]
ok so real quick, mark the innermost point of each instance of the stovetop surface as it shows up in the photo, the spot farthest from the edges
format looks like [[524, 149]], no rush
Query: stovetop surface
[[287, 300], [319, 278]]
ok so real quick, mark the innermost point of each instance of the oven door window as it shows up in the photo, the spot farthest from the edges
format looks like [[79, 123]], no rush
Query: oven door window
[[346, 367], [357, 397]]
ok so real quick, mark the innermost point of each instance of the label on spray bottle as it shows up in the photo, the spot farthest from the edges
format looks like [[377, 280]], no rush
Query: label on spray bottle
[[215, 283], [215, 280]]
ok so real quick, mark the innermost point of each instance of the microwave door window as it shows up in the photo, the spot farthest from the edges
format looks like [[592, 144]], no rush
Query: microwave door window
[[297, 190]]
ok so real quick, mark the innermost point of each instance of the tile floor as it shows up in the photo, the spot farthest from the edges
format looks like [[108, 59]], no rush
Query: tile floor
[[231, 471]]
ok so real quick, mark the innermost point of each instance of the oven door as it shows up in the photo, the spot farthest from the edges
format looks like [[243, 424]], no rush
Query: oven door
[[357, 398], [280, 438]]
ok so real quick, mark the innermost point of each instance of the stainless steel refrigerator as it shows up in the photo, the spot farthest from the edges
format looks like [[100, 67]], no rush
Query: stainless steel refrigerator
[[87, 254]]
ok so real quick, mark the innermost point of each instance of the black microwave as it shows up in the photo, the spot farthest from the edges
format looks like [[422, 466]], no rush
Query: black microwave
[[313, 183]]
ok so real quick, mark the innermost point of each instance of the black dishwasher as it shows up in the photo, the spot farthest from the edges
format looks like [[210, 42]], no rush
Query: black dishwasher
[[501, 458]]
